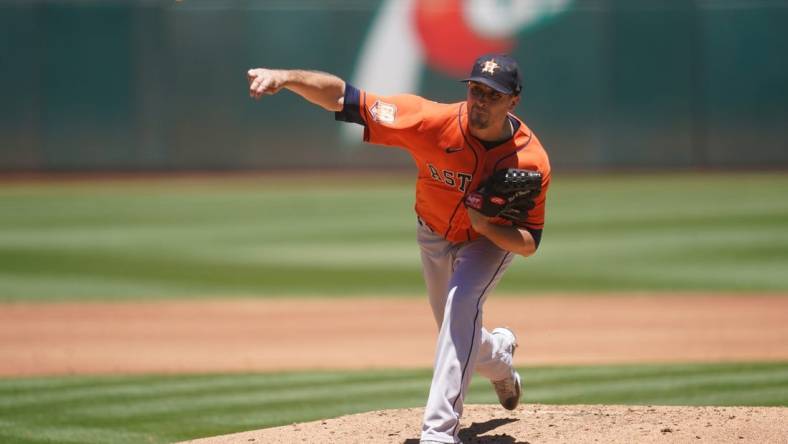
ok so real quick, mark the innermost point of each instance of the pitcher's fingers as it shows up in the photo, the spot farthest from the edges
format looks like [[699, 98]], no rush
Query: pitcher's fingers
[[250, 76], [256, 89], [258, 92], [264, 87], [262, 82]]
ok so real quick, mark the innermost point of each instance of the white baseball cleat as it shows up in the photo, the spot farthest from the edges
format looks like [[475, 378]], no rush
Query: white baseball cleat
[[510, 388]]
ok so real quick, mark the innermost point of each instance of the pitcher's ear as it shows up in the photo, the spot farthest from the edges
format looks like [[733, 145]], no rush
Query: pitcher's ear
[[515, 101]]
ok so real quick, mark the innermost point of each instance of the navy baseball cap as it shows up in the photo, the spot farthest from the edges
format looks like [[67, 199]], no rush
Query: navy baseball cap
[[498, 71]]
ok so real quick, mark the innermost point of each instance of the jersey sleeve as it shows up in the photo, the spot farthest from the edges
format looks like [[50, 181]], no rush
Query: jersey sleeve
[[351, 108], [389, 120]]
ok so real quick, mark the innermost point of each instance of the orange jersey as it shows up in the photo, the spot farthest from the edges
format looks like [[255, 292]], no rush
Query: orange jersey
[[450, 161]]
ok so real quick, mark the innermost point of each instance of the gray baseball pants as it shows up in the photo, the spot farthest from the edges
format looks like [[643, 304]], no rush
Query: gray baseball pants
[[459, 277]]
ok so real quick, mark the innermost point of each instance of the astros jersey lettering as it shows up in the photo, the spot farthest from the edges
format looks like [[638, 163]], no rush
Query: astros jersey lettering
[[450, 161]]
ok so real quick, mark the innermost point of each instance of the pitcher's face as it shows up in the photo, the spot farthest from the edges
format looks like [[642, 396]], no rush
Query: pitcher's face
[[488, 107]]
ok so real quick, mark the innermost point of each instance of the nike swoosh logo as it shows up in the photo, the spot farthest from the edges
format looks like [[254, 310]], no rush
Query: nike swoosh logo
[[452, 150]]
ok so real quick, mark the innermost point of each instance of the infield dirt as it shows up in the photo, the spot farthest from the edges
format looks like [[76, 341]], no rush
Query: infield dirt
[[298, 334]]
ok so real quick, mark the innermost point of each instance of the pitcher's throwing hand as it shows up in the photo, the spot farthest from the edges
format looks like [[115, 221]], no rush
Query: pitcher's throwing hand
[[264, 81]]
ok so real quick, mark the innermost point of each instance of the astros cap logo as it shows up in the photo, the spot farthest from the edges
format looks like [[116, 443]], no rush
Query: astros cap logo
[[489, 66], [498, 71]]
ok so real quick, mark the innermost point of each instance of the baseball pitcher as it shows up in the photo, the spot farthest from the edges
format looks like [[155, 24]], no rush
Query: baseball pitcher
[[480, 199]]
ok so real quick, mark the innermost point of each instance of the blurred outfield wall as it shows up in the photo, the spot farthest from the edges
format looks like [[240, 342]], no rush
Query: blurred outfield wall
[[89, 85]]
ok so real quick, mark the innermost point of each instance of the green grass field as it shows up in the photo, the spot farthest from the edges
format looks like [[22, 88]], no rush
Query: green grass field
[[278, 236], [158, 409]]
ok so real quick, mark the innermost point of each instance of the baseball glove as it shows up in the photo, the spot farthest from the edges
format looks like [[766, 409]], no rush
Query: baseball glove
[[508, 193]]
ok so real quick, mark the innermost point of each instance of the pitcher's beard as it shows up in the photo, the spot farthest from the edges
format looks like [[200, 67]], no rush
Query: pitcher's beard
[[479, 120]]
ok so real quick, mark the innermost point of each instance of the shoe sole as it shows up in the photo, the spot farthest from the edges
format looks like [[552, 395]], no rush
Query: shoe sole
[[515, 401]]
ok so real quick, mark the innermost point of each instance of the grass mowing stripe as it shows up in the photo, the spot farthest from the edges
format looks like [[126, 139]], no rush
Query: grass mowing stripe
[[191, 381], [582, 375], [650, 383], [247, 398], [39, 383], [199, 276], [650, 387], [164, 382], [144, 389], [563, 375], [307, 412], [775, 396], [236, 234], [74, 434]]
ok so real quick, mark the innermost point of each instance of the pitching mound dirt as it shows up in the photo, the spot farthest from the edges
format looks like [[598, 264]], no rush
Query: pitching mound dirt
[[543, 424]]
